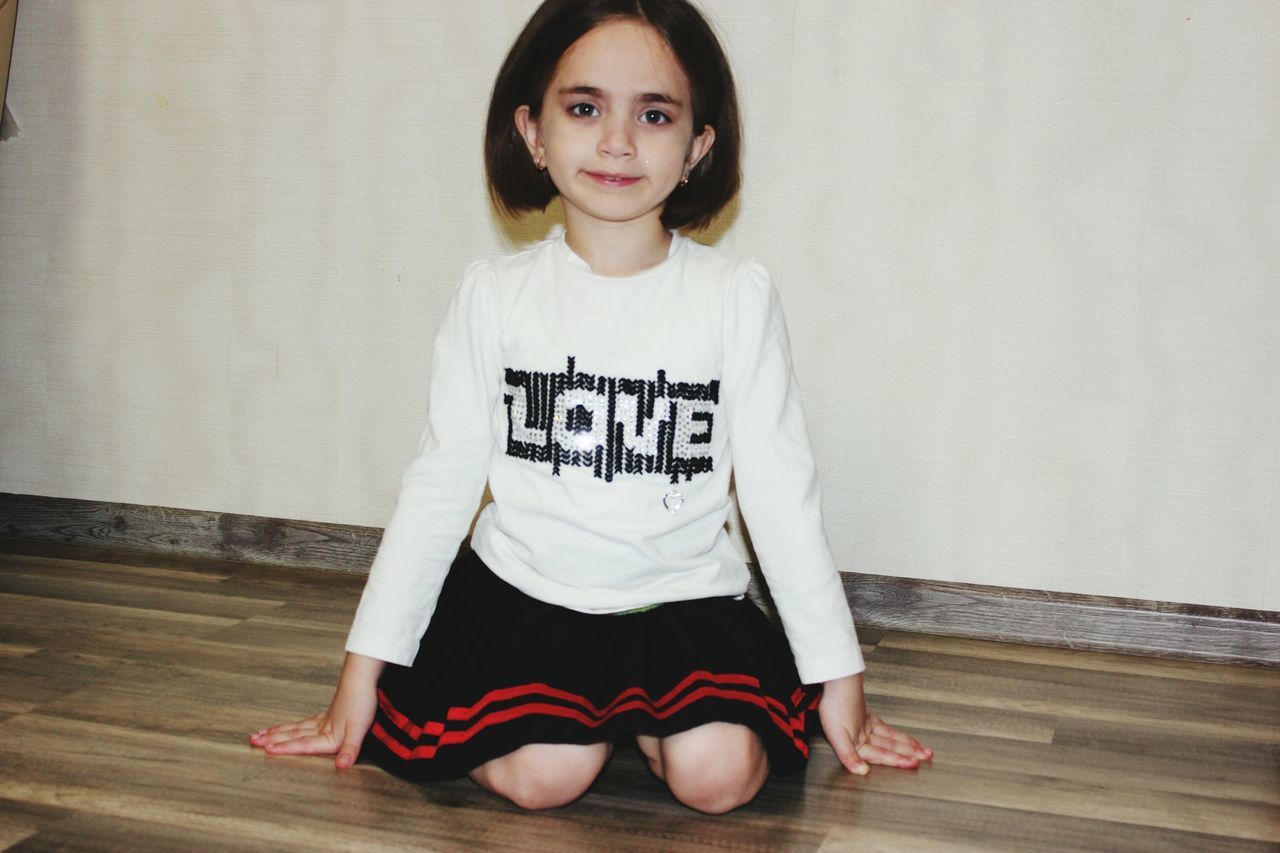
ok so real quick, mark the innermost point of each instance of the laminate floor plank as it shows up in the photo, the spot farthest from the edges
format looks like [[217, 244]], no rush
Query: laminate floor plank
[[15, 828], [172, 712], [1138, 743], [334, 613], [974, 825], [311, 664], [1068, 835], [178, 818], [1257, 704], [134, 595], [1190, 705], [86, 832], [1085, 660], [328, 626], [128, 685], [31, 612], [923, 715], [295, 636], [196, 653], [1168, 768], [866, 838], [31, 681], [58, 636], [1111, 801], [126, 772], [19, 695], [160, 576]]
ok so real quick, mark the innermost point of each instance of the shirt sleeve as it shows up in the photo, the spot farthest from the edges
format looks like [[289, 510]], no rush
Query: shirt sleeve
[[777, 482], [443, 485]]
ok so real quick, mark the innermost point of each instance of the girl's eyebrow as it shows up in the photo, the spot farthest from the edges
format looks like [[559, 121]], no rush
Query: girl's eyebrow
[[646, 98], [659, 98], [589, 91]]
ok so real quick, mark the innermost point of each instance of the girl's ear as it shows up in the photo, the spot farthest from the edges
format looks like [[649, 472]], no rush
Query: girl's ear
[[527, 127], [699, 147]]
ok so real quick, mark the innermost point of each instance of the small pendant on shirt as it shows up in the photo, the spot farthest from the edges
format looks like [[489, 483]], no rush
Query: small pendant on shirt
[[673, 501]]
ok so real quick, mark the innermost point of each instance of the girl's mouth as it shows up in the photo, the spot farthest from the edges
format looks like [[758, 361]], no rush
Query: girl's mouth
[[606, 179]]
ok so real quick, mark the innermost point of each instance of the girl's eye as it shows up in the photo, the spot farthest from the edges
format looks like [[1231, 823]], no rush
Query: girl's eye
[[583, 110], [654, 117]]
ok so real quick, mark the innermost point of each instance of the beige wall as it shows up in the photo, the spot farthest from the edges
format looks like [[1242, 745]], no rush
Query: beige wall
[[8, 21], [1030, 253]]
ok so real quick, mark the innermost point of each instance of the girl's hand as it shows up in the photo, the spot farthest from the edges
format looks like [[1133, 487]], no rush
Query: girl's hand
[[860, 738], [341, 728]]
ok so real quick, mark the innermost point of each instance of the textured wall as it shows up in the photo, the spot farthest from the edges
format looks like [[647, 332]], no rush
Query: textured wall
[[1029, 252]]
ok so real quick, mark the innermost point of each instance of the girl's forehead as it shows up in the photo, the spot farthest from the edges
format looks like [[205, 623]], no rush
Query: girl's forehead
[[625, 57]]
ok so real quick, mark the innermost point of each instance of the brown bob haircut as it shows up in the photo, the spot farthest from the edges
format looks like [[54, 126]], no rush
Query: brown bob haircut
[[517, 186]]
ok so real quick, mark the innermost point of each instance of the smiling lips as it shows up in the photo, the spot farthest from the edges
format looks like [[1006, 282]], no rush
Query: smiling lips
[[606, 179]]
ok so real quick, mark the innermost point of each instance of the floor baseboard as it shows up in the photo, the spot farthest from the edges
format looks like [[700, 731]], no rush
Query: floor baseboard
[[192, 533], [934, 607]]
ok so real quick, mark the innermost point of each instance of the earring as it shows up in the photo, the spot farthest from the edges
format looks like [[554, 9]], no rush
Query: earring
[[684, 181], [537, 161]]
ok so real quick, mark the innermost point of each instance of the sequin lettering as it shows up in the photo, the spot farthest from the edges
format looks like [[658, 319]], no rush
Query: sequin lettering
[[613, 426]]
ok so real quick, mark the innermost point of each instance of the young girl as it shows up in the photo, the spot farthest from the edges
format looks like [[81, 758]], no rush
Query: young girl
[[604, 383]]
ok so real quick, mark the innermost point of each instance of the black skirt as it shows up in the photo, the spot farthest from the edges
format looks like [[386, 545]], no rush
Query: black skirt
[[498, 670]]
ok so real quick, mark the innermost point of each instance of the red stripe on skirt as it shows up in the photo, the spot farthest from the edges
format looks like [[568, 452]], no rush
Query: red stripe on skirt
[[545, 689], [505, 693], [631, 699], [540, 689]]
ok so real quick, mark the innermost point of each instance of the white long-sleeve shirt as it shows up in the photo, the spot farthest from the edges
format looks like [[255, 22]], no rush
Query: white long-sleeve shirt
[[606, 415]]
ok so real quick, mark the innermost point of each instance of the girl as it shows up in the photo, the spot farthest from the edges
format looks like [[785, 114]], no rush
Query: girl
[[604, 383]]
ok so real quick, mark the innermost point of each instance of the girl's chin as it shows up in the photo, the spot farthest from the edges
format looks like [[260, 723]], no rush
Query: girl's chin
[[609, 214]]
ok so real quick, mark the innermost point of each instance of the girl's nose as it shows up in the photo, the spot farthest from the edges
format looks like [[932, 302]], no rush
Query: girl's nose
[[616, 140]]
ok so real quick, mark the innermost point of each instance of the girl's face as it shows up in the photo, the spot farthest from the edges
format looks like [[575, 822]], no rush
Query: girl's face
[[616, 126]]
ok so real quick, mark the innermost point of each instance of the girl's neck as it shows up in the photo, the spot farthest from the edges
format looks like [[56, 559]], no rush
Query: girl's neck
[[618, 250]]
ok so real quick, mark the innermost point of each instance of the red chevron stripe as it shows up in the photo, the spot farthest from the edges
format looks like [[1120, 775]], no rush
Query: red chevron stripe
[[506, 693], [544, 690], [631, 699]]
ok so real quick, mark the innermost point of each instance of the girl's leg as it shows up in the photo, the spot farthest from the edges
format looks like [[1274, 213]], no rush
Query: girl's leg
[[713, 768], [543, 775]]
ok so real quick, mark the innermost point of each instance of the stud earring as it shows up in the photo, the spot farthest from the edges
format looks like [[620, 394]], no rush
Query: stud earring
[[537, 161], [684, 181]]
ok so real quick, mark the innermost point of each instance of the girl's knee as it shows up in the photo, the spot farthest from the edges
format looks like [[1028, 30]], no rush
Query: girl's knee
[[715, 768], [543, 775]]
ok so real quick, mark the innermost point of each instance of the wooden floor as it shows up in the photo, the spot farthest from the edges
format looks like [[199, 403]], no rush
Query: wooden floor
[[129, 681]]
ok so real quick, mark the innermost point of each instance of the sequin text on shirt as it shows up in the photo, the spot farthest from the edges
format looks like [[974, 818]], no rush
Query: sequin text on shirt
[[609, 424]]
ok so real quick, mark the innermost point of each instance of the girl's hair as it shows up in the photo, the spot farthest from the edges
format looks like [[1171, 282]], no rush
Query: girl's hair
[[518, 186]]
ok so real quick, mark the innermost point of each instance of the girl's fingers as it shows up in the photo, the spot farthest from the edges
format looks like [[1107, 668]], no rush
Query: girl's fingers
[[909, 748], [885, 735], [901, 743], [848, 752], [886, 757], [285, 731], [277, 739], [348, 752], [320, 744], [309, 724], [288, 733]]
